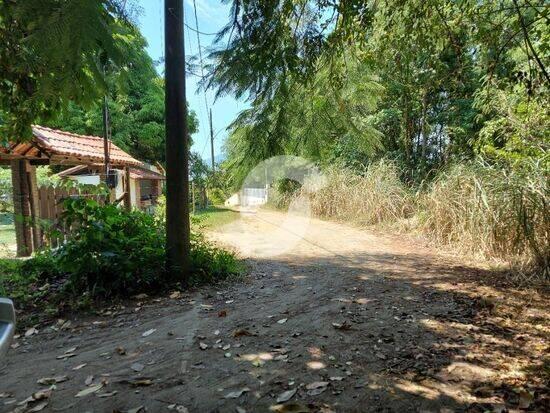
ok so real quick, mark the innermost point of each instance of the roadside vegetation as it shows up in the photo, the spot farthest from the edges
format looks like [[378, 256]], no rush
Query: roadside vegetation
[[110, 254], [432, 116], [472, 208], [214, 217]]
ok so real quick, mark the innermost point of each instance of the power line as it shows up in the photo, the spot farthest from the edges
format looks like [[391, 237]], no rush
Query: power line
[[208, 110], [199, 32], [202, 117]]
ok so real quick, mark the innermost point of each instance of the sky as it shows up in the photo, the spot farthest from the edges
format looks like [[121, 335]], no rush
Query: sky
[[212, 15]]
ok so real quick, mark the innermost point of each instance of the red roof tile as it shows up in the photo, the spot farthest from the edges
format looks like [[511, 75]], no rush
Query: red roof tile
[[89, 148]]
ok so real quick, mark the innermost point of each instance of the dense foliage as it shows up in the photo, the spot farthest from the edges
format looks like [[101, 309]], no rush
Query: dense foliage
[[454, 93], [136, 107], [52, 53], [113, 252], [421, 82]]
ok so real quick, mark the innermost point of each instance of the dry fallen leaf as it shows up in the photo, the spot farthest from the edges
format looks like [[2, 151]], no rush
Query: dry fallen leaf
[[65, 356], [121, 350], [222, 313], [236, 394], [149, 332], [89, 390], [342, 326], [42, 394], [31, 331], [316, 385], [46, 381], [37, 408], [316, 388], [65, 325], [137, 367], [138, 409], [290, 408], [140, 382], [242, 332], [178, 408], [175, 295], [286, 396], [107, 394], [282, 321]]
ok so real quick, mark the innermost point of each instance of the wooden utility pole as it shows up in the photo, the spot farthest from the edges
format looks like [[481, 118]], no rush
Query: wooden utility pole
[[177, 155], [106, 129], [212, 143]]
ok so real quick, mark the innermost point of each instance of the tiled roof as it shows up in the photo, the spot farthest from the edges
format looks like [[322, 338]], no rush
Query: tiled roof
[[88, 148], [142, 173]]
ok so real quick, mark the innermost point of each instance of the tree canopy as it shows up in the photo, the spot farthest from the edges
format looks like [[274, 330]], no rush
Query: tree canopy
[[422, 82], [53, 52], [136, 107]]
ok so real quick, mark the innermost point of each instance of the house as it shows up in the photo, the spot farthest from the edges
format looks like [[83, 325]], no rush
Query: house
[[146, 182], [55, 147]]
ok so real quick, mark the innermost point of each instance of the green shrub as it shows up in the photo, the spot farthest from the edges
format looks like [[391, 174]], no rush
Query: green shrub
[[217, 196], [210, 263], [113, 252], [282, 192], [110, 251]]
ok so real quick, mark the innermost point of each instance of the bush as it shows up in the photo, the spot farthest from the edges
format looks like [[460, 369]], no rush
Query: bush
[[110, 251], [113, 252], [217, 196], [282, 192]]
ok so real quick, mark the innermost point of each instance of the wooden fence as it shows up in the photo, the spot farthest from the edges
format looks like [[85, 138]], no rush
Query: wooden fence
[[50, 203]]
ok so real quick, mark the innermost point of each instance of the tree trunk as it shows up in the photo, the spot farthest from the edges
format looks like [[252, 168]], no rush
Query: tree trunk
[[423, 127], [177, 155]]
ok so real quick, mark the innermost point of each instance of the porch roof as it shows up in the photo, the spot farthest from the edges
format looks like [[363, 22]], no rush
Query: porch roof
[[52, 146], [135, 172]]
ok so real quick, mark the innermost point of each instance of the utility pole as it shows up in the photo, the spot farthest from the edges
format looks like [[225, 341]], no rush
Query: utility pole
[[177, 153], [106, 136], [212, 142]]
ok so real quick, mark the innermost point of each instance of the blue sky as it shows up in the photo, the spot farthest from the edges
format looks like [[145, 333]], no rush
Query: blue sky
[[212, 15]]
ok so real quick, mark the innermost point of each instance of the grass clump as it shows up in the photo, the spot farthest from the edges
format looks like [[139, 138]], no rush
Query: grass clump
[[493, 212], [374, 195]]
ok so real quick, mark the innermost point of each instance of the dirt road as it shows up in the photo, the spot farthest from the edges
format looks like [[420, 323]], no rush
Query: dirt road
[[330, 318]]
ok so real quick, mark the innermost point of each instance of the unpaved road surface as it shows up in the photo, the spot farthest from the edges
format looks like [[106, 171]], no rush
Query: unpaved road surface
[[329, 319]]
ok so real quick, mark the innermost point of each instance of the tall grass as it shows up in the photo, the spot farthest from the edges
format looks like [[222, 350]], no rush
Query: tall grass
[[474, 208], [491, 211], [372, 196]]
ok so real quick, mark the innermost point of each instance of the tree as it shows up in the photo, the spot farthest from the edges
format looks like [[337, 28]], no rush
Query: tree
[[136, 106], [439, 69], [50, 57]]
